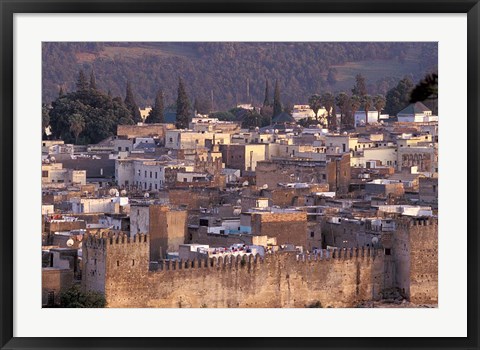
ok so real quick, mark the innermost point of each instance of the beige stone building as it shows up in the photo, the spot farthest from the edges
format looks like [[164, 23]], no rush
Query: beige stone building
[[55, 173]]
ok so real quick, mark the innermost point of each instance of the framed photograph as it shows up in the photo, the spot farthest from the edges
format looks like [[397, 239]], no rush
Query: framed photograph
[[239, 174]]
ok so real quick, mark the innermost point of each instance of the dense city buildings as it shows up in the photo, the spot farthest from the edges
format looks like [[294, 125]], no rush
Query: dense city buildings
[[316, 206]]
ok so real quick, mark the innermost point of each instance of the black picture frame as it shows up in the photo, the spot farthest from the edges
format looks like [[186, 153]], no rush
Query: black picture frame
[[9, 7]]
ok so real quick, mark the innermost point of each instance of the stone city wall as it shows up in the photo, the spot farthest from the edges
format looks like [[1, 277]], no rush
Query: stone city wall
[[336, 279]]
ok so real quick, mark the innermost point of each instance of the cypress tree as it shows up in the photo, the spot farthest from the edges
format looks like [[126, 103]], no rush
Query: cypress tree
[[183, 107], [93, 81], [277, 105], [132, 105], [82, 84], [156, 114], [266, 101], [195, 106], [360, 87]]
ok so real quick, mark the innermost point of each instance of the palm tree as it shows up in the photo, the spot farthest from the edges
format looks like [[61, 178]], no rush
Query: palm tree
[[355, 103], [379, 103], [341, 100], [315, 104], [77, 125], [367, 103], [328, 101]]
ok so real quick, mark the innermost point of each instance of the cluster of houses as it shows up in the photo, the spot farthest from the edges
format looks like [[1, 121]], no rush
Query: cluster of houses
[[216, 188]]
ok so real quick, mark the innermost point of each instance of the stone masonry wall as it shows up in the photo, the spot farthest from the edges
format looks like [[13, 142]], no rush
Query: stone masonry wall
[[415, 250], [424, 261], [286, 227], [146, 130], [278, 280]]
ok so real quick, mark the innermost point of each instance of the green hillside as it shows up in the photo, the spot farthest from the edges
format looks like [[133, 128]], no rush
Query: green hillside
[[224, 68]]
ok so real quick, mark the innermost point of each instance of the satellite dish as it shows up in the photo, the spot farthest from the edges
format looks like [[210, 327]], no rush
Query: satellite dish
[[112, 192], [123, 193], [80, 245], [375, 240], [239, 201], [70, 242], [117, 193], [265, 186], [245, 183], [146, 195], [169, 152], [276, 131]]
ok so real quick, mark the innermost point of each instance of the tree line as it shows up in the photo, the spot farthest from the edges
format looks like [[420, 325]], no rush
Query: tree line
[[220, 74], [88, 115]]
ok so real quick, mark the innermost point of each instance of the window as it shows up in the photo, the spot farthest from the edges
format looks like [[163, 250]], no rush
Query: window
[[127, 149], [119, 149], [156, 186], [145, 174], [118, 262], [312, 234], [150, 174], [388, 251], [44, 173], [156, 174], [133, 262]]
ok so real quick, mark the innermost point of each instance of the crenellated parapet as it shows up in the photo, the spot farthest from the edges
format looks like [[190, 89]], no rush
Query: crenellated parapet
[[139, 238], [256, 261], [109, 238], [407, 222]]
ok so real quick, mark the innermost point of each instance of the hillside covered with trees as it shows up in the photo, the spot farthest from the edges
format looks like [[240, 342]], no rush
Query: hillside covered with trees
[[231, 73]]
